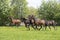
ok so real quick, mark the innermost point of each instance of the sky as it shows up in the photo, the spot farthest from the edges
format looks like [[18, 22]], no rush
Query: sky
[[34, 3]]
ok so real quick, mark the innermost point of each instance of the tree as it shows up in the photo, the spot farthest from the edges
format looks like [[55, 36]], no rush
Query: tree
[[30, 11], [50, 10], [4, 11], [19, 7]]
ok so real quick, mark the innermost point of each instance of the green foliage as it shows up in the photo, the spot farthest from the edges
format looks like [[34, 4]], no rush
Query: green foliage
[[4, 11], [30, 11], [50, 10], [18, 8], [15, 8]]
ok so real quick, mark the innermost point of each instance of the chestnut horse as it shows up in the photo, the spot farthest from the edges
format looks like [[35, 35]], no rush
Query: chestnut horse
[[15, 21]]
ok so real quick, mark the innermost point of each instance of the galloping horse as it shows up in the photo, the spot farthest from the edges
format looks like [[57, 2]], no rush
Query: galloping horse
[[32, 20], [15, 21], [36, 22], [27, 23], [40, 23], [44, 23], [51, 23]]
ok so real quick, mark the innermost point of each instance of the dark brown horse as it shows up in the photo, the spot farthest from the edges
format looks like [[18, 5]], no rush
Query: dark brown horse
[[27, 23], [32, 20], [15, 21]]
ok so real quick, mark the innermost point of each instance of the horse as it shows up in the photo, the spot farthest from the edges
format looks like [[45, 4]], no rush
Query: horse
[[51, 23], [15, 21], [27, 23], [40, 23], [44, 23], [32, 20]]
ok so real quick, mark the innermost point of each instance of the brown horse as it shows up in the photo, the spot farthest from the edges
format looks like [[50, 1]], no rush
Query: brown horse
[[15, 21], [51, 23], [39, 23], [44, 23], [35, 22]]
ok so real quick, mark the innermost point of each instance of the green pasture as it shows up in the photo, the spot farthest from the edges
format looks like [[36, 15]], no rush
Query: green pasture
[[21, 33]]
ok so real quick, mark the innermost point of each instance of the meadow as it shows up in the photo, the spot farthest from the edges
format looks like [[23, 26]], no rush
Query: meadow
[[21, 33]]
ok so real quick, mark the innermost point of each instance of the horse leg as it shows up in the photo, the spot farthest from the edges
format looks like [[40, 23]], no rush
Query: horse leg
[[17, 24], [36, 27], [54, 27], [40, 27], [49, 27], [27, 26], [45, 27], [32, 26]]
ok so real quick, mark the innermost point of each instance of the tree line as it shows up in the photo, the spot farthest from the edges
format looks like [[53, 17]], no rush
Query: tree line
[[49, 10]]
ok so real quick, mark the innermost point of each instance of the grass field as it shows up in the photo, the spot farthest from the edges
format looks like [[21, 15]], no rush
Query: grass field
[[21, 33]]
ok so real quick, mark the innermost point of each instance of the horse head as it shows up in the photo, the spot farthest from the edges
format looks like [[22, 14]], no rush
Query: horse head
[[23, 19]]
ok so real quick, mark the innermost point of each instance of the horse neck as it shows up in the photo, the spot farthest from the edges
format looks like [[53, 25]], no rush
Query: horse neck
[[23, 19], [12, 19], [32, 20]]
